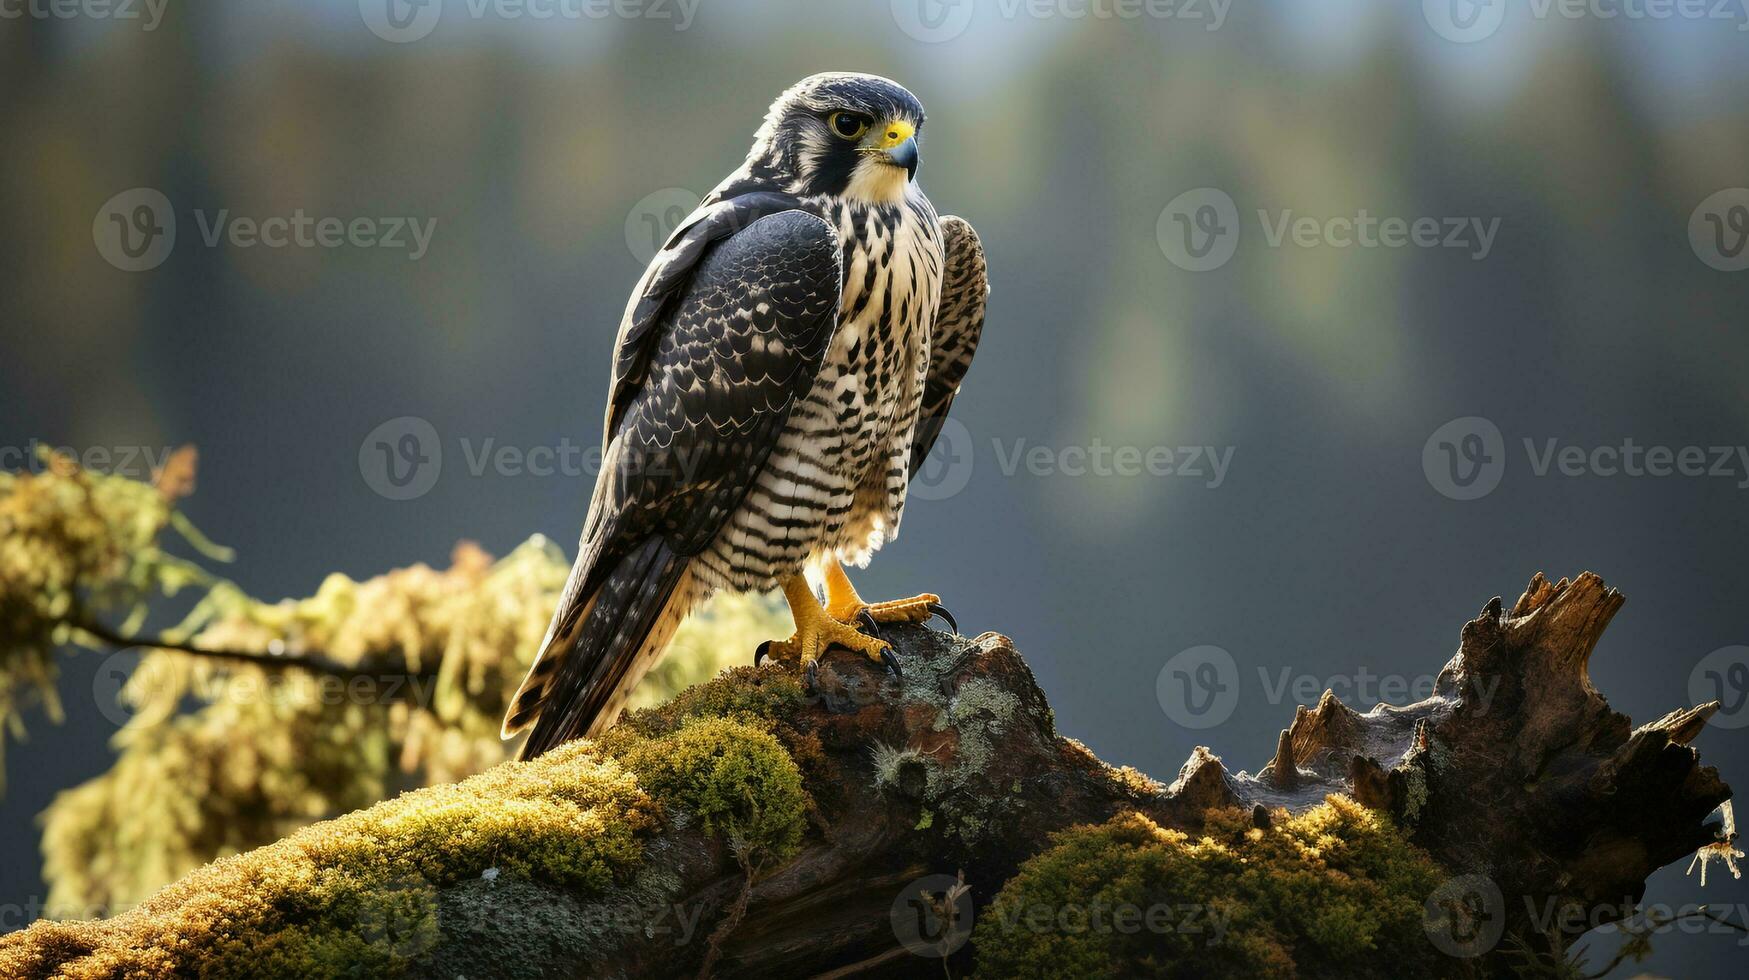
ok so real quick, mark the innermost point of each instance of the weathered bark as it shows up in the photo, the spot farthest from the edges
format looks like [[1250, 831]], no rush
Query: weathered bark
[[1516, 770]]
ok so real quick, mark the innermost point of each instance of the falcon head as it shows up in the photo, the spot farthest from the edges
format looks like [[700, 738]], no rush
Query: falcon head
[[843, 134]]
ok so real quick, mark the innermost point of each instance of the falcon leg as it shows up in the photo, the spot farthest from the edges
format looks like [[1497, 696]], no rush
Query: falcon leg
[[816, 630], [844, 605]]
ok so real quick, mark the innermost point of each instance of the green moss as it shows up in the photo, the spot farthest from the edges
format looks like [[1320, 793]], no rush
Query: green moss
[[732, 775], [358, 896], [764, 698], [1319, 894]]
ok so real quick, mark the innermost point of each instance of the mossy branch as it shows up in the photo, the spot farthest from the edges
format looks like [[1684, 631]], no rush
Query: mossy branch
[[316, 663], [865, 799]]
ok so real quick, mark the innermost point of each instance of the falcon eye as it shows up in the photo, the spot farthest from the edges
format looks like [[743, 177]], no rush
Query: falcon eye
[[848, 125]]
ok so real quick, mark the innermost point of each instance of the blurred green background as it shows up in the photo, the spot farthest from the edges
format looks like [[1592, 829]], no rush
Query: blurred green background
[[549, 150]]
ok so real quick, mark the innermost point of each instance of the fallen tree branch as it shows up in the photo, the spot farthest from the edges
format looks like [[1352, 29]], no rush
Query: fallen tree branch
[[315, 663], [1515, 775]]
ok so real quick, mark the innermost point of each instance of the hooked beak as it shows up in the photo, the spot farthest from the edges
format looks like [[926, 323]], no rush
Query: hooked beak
[[905, 155], [896, 143]]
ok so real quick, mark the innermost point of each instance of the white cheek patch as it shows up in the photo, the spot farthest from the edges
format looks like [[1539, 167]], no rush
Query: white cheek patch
[[877, 182]]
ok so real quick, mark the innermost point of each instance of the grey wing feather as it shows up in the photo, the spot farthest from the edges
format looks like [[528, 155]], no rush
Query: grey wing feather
[[704, 380], [958, 323]]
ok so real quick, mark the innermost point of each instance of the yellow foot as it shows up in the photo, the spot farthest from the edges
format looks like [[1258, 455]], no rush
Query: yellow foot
[[916, 609], [816, 631], [844, 605]]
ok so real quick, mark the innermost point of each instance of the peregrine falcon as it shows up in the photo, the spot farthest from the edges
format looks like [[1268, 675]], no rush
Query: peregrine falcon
[[781, 371]]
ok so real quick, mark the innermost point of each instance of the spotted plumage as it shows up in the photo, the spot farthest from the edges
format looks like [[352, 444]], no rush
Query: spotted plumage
[[780, 372]]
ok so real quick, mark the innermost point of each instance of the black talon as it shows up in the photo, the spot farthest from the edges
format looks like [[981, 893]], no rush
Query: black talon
[[871, 625], [937, 609], [891, 659], [811, 674], [761, 652]]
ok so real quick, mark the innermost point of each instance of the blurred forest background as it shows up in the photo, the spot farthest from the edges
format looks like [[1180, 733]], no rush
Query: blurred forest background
[[546, 152]]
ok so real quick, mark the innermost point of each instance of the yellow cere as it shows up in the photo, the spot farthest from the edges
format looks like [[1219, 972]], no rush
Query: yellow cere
[[898, 131]]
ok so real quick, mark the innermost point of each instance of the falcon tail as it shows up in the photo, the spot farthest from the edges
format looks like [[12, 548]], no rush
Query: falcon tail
[[585, 673]]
